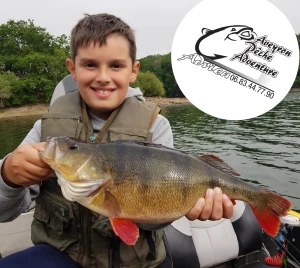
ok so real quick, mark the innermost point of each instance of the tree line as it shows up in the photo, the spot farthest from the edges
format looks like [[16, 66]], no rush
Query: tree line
[[32, 62]]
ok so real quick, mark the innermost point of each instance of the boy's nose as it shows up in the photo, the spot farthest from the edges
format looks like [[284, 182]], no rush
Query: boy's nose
[[102, 76]]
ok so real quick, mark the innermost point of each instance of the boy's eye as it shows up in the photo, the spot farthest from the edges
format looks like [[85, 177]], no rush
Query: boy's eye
[[90, 65], [116, 66]]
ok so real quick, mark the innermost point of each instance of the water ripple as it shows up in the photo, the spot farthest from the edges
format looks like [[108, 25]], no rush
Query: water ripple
[[265, 150]]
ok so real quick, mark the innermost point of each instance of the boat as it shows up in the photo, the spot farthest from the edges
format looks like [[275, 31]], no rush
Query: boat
[[236, 242]]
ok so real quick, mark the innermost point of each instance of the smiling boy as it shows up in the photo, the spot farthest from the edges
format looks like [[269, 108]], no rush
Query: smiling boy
[[103, 72], [103, 63]]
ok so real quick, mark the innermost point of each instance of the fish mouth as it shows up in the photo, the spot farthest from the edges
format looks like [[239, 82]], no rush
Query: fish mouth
[[48, 154], [53, 148]]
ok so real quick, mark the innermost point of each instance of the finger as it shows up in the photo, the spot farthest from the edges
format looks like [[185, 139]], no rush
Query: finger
[[227, 207], [36, 173], [25, 179], [37, 161], [196, 210], [29, 180], [217, 211], [33, 155], [40, 147], [208, 206]]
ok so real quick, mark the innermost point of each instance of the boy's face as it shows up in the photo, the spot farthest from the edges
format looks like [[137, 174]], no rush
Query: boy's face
[[103, 74]]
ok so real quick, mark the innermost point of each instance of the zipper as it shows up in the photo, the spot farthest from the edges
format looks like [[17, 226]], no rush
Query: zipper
[[57, 207], [63, 211]]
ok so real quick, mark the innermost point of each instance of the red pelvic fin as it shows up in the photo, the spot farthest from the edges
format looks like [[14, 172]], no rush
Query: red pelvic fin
[[126, 230], [218, 163], [269, 215], [233, 201]]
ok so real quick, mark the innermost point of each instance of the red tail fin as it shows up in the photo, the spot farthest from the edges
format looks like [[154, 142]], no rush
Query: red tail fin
[[269, 213]]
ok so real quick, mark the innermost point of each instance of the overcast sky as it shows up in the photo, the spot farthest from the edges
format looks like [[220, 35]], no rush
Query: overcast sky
[[154, 21]]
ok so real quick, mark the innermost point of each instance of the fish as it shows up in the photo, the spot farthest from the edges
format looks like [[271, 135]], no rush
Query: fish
[[221, 42], [140, 182]]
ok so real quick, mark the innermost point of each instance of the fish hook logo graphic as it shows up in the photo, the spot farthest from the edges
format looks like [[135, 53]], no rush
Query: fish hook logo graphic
[[217, 44], [235, 65]]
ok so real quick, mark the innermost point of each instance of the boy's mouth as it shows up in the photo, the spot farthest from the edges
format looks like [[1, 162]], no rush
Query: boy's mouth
[[103, 91]]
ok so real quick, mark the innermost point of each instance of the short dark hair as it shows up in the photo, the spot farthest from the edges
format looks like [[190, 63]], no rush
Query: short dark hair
[[96, 28]]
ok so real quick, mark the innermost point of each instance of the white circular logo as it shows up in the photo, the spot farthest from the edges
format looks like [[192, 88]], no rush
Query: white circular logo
[[235, 59]]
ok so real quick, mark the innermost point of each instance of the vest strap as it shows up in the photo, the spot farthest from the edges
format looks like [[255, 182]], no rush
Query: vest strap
[[155, 114], [152, 251], [116, 251], [85, 118], [105, 127]]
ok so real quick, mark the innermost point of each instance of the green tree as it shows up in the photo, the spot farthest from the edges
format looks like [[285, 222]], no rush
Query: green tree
[[161, 66], [7, 81], [35, 56], [22, 37], [149, 84]]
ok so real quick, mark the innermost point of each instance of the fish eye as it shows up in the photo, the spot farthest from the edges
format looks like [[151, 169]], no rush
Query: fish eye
[[246, 33], [73, 146], [233, 29]]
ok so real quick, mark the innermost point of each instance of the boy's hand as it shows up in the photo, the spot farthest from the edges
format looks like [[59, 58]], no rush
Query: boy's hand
[[24, 167], [214, 207]]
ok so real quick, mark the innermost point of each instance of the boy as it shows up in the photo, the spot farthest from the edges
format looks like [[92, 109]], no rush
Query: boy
[[103, 63]]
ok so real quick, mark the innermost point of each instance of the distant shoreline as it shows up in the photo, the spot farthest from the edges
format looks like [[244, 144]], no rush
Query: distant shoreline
[[40, 109]]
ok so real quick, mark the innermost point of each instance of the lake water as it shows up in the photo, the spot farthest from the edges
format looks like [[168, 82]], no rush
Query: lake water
[[264, 150]]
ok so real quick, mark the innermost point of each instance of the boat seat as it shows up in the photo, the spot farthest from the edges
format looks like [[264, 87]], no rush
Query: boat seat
[[16, 235], [65, 86], [196, 244]]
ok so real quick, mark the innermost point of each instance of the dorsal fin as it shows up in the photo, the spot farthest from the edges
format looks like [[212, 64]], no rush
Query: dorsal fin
[[218, 163], [147, 144]]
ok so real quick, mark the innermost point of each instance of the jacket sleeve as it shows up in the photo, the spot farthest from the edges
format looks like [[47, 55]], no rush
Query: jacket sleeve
[[14, 201], [161, 134]]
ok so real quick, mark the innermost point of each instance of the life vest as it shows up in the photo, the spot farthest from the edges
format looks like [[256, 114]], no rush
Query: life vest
[[85, 236]]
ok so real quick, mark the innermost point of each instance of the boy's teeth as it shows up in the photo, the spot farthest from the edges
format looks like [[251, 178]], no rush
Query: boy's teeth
[[103, 91]]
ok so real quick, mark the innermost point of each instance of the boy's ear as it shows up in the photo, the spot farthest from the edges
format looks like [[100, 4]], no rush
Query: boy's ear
[[71, 67], [135, 71]]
